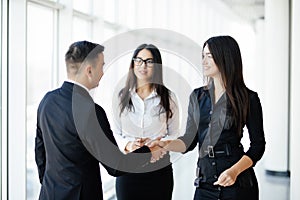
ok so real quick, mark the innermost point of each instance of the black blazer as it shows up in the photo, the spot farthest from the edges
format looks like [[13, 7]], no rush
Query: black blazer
[[212, 125], [67, 168]]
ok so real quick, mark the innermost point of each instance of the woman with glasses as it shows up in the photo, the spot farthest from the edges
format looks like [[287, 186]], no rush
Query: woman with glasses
[[147, 111], [217, 114]]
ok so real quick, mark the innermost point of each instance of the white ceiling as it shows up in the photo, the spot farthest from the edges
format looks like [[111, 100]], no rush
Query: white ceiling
[[250, 10]]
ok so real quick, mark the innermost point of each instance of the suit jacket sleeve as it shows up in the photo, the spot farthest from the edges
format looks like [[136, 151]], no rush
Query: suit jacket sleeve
[[104, 123], [40, 155]]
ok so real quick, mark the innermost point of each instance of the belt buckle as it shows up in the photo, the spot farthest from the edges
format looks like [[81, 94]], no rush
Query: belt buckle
[[210, 150]]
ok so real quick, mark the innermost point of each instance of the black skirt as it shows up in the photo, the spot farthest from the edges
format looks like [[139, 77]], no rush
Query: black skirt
[[157, 185], [245, 188]]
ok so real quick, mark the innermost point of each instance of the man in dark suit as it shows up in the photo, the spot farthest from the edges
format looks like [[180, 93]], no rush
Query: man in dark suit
[[73, 134]]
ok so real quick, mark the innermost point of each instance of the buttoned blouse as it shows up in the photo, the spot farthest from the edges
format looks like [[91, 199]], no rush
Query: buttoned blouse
[[202, 114], [147, 119], [212, 125]]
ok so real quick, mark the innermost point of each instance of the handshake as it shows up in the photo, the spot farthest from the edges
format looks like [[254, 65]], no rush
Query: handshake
[[157, 147]]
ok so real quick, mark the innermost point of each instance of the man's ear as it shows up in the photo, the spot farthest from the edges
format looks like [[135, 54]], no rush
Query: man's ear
[[88, 70]]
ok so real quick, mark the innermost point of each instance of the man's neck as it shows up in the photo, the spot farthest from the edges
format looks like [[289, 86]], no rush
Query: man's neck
[[78, 83]]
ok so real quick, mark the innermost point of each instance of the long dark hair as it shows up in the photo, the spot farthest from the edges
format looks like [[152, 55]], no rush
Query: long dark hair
[[227, 56], [156, 82]]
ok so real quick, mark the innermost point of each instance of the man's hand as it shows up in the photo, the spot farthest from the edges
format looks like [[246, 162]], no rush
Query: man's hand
[[155, 146], [134, 145]]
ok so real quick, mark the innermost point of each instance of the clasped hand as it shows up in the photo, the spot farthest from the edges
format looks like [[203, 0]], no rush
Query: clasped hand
[[157, 150]]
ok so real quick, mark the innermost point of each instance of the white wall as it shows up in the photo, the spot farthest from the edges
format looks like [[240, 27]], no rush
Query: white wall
[[277, 84], [295, 105]]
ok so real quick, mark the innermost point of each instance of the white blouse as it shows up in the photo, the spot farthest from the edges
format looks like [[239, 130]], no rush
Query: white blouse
[[144, 121]]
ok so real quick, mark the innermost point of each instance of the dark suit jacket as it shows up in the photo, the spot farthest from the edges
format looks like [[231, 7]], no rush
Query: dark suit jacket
[[67, 168]]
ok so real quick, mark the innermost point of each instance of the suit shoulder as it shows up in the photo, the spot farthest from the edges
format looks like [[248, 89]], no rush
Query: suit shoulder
[[99, 108], [252, 94], [49, 95], [253, 97]]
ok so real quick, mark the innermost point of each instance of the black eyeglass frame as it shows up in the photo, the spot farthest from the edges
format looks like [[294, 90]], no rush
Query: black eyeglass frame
[[136, 60]]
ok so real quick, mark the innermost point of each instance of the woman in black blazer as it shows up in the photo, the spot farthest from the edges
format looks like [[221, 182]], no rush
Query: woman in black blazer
[[217, 114]]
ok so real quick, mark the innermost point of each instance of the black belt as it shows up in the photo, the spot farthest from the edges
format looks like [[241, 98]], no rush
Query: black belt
[[221, 150], [218, 151]]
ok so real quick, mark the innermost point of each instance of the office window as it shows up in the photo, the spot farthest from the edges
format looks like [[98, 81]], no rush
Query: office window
[[82, 5], [82, 29], [110, 10], [128, 18], [40, 60], [144, 12], [199, 21]]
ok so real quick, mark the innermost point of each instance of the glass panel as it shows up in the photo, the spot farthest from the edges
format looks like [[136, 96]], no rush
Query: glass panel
[[110, 10], [144, 8], [125, 18], [82, 5], [39, 80], [108, 33], [1, 100], [82, 29]]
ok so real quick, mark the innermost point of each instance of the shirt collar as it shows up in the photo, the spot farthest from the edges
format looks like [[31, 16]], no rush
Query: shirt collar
[[79, 84], [152, 94]]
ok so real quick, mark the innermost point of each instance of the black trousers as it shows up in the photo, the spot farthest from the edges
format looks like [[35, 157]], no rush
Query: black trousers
[[157, 185]]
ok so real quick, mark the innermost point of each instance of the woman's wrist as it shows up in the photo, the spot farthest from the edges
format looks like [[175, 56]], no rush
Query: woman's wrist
[[166, 144], [128, 147]]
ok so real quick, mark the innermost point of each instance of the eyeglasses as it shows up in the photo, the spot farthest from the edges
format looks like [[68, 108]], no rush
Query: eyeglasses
[[148, 62]]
